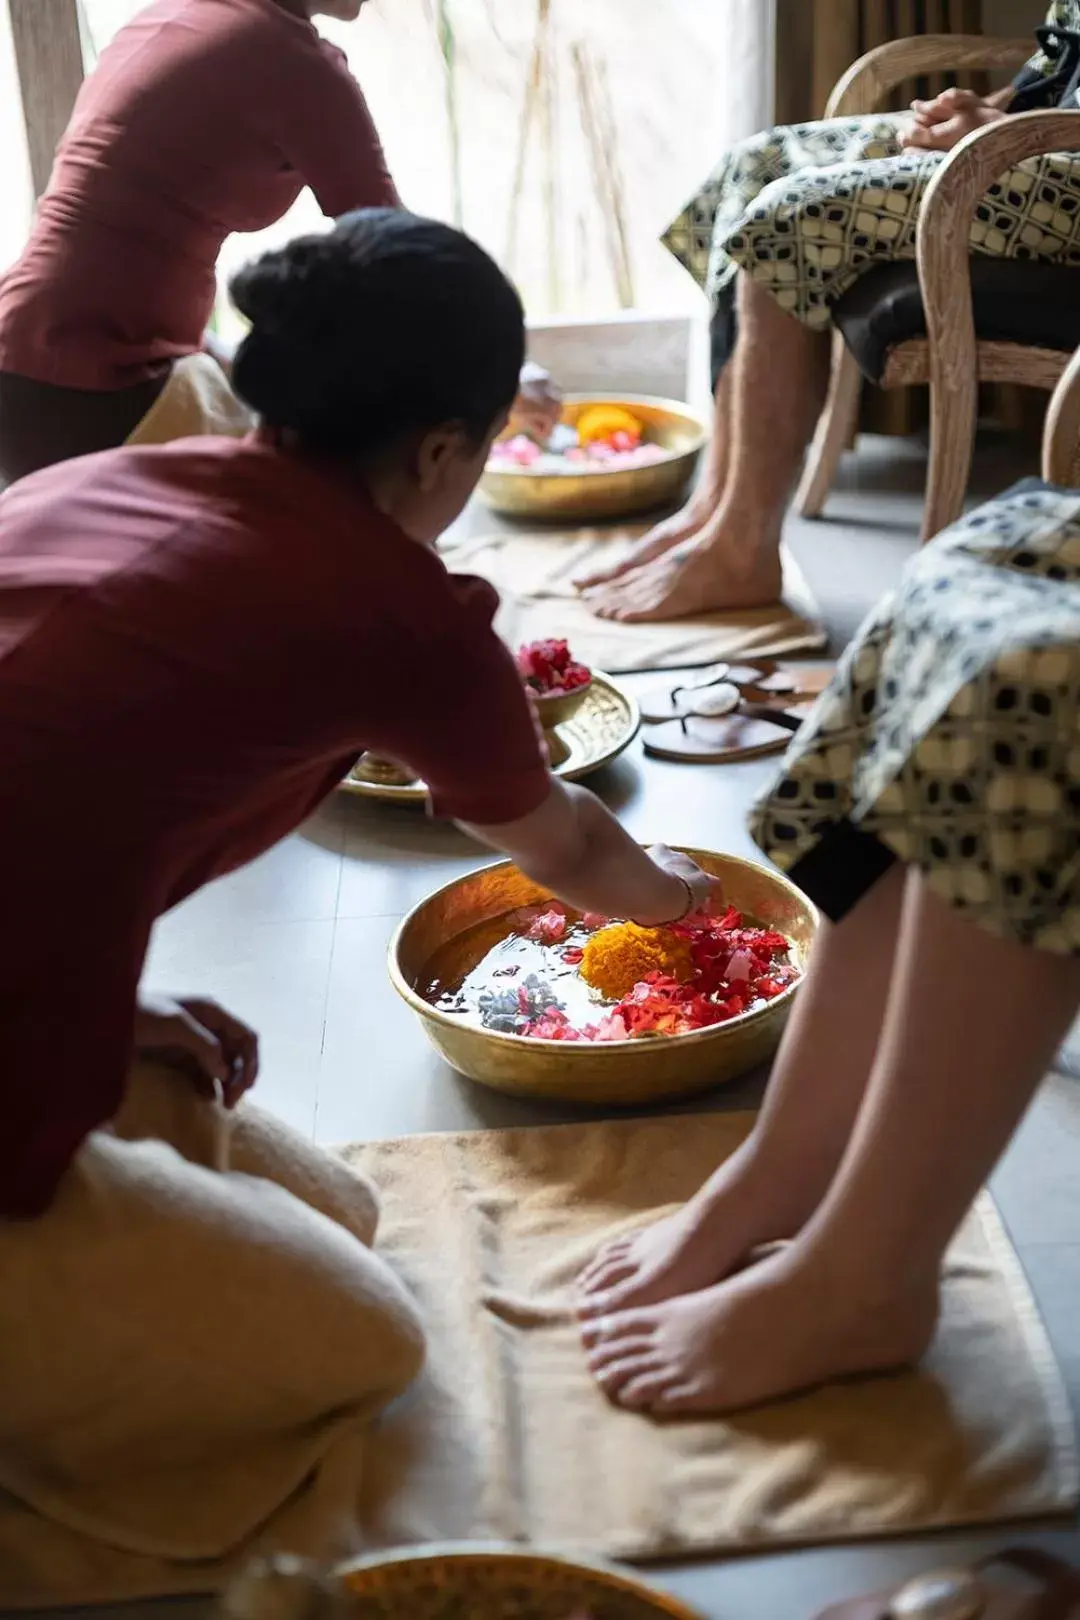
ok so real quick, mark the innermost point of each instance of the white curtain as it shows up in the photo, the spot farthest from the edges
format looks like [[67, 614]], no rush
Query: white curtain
[[684, 78]]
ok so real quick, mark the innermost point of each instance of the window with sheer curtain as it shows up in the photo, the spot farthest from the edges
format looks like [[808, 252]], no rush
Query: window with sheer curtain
[[563, 137]]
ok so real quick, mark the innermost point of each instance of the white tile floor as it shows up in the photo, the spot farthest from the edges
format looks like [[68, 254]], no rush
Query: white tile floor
[[297, 942]]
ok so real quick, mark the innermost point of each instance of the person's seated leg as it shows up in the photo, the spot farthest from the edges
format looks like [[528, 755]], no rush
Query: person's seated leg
[[700, 509], [769, 1189], [161, 1104], [858, 1289], [732, 559], [183, 1349]]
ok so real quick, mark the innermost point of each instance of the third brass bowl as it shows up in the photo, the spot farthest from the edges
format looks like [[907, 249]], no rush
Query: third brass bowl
[[609, 1072], [496, 1582], [583, 497]]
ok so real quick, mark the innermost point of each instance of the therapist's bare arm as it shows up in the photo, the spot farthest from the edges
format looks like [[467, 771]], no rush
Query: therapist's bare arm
[[574, 847]]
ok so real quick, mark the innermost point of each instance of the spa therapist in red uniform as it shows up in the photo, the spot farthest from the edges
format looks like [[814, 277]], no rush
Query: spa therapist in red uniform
[[205, 635], [203, 117]]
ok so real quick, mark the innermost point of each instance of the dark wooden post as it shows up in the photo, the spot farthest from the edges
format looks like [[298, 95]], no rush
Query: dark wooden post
[[48, 55]]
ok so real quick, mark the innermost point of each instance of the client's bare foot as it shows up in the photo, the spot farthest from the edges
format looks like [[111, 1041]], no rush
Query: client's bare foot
[[675, 1255], [682, 525], [700, 576], [785, 1325], [753, 1199]]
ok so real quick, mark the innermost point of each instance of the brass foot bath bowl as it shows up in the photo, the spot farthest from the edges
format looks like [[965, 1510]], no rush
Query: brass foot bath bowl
[[584, 497], [619, 1073]]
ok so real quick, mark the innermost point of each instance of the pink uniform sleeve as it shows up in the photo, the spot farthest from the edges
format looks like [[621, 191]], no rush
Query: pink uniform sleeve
[[332, 143]]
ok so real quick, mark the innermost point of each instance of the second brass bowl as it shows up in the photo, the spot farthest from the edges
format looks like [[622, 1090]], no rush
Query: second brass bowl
[[555, 708], [583, 497], [620, 1073], [498, 1582]]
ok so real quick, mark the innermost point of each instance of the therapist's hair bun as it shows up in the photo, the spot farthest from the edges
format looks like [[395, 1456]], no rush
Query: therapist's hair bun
[[385, 325]]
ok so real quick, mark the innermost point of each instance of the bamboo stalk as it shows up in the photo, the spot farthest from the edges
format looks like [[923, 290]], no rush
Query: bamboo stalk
[[610, 142], [530, 103], [448, 52], [606, 181], [588, 125], [548, 142]]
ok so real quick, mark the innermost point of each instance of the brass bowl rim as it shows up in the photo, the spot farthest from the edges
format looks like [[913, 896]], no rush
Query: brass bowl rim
[[674, 407], [698, 1037], [561, 693], [416, 793], [467, 1552]]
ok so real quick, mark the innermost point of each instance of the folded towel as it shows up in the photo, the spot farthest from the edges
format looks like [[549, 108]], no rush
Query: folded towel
[[507, 1438], [534, 572]]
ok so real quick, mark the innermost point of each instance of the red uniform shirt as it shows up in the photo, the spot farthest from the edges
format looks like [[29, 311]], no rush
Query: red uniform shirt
[[203, 117], [196, 642]]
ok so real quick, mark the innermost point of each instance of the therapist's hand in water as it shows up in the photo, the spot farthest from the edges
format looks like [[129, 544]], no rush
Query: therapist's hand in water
[[219, 1051], [538, 406]]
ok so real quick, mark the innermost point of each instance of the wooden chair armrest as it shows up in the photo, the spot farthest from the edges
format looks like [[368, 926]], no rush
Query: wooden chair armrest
[[867, 82], [945, 218], [1061, 436]]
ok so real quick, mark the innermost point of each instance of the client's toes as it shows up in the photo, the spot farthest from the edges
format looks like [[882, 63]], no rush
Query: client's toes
[[613, 1300], [607, 1330], [603, 1354], [643, 1392], [610, 1265], [615, 1376]]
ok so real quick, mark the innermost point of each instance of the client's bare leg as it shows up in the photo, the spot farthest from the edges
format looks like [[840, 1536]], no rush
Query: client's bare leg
[[857, 1291], [704, 502], [732, 559], [773, 1184]]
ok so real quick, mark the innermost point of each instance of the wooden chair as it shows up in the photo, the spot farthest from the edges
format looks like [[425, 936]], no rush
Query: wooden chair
[[934, 300], [1061, 435]]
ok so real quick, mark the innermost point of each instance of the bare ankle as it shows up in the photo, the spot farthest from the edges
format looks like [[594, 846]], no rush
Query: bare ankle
[[749, 544], [790, 1178]]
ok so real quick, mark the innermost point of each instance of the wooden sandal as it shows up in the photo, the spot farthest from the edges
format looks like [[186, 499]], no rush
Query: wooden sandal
[[750, 729], [733, 712], [1018, 1584], [672, 702]]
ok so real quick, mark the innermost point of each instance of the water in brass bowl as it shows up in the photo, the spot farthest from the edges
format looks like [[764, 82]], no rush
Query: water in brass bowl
[[621, 1072], [588, 495]]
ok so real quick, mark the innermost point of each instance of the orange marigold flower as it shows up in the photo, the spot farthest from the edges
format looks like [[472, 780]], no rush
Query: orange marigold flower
[[623, 954]]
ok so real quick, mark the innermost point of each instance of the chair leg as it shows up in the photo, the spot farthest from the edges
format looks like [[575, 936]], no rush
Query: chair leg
[[952, 442], [835, 430]]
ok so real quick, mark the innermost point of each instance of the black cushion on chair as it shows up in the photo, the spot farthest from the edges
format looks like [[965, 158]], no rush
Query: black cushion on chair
[[1016, 301]]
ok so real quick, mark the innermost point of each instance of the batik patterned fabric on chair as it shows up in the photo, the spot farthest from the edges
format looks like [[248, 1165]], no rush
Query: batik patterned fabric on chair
[[950, 735]]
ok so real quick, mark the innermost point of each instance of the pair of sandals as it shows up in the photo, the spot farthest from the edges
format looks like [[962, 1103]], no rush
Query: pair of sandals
[[1018, 1584], [730, 711]]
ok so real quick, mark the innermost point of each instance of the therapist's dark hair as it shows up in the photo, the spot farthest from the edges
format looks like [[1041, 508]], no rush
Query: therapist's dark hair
[[387, 325]]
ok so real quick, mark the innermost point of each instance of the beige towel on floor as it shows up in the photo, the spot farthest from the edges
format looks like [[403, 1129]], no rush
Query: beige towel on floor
[[190, 1360], [196, 400], [505, 1436], [534, 573]]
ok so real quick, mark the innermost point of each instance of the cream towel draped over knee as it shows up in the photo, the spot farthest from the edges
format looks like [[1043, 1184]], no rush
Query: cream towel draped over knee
[[193, 1341]]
